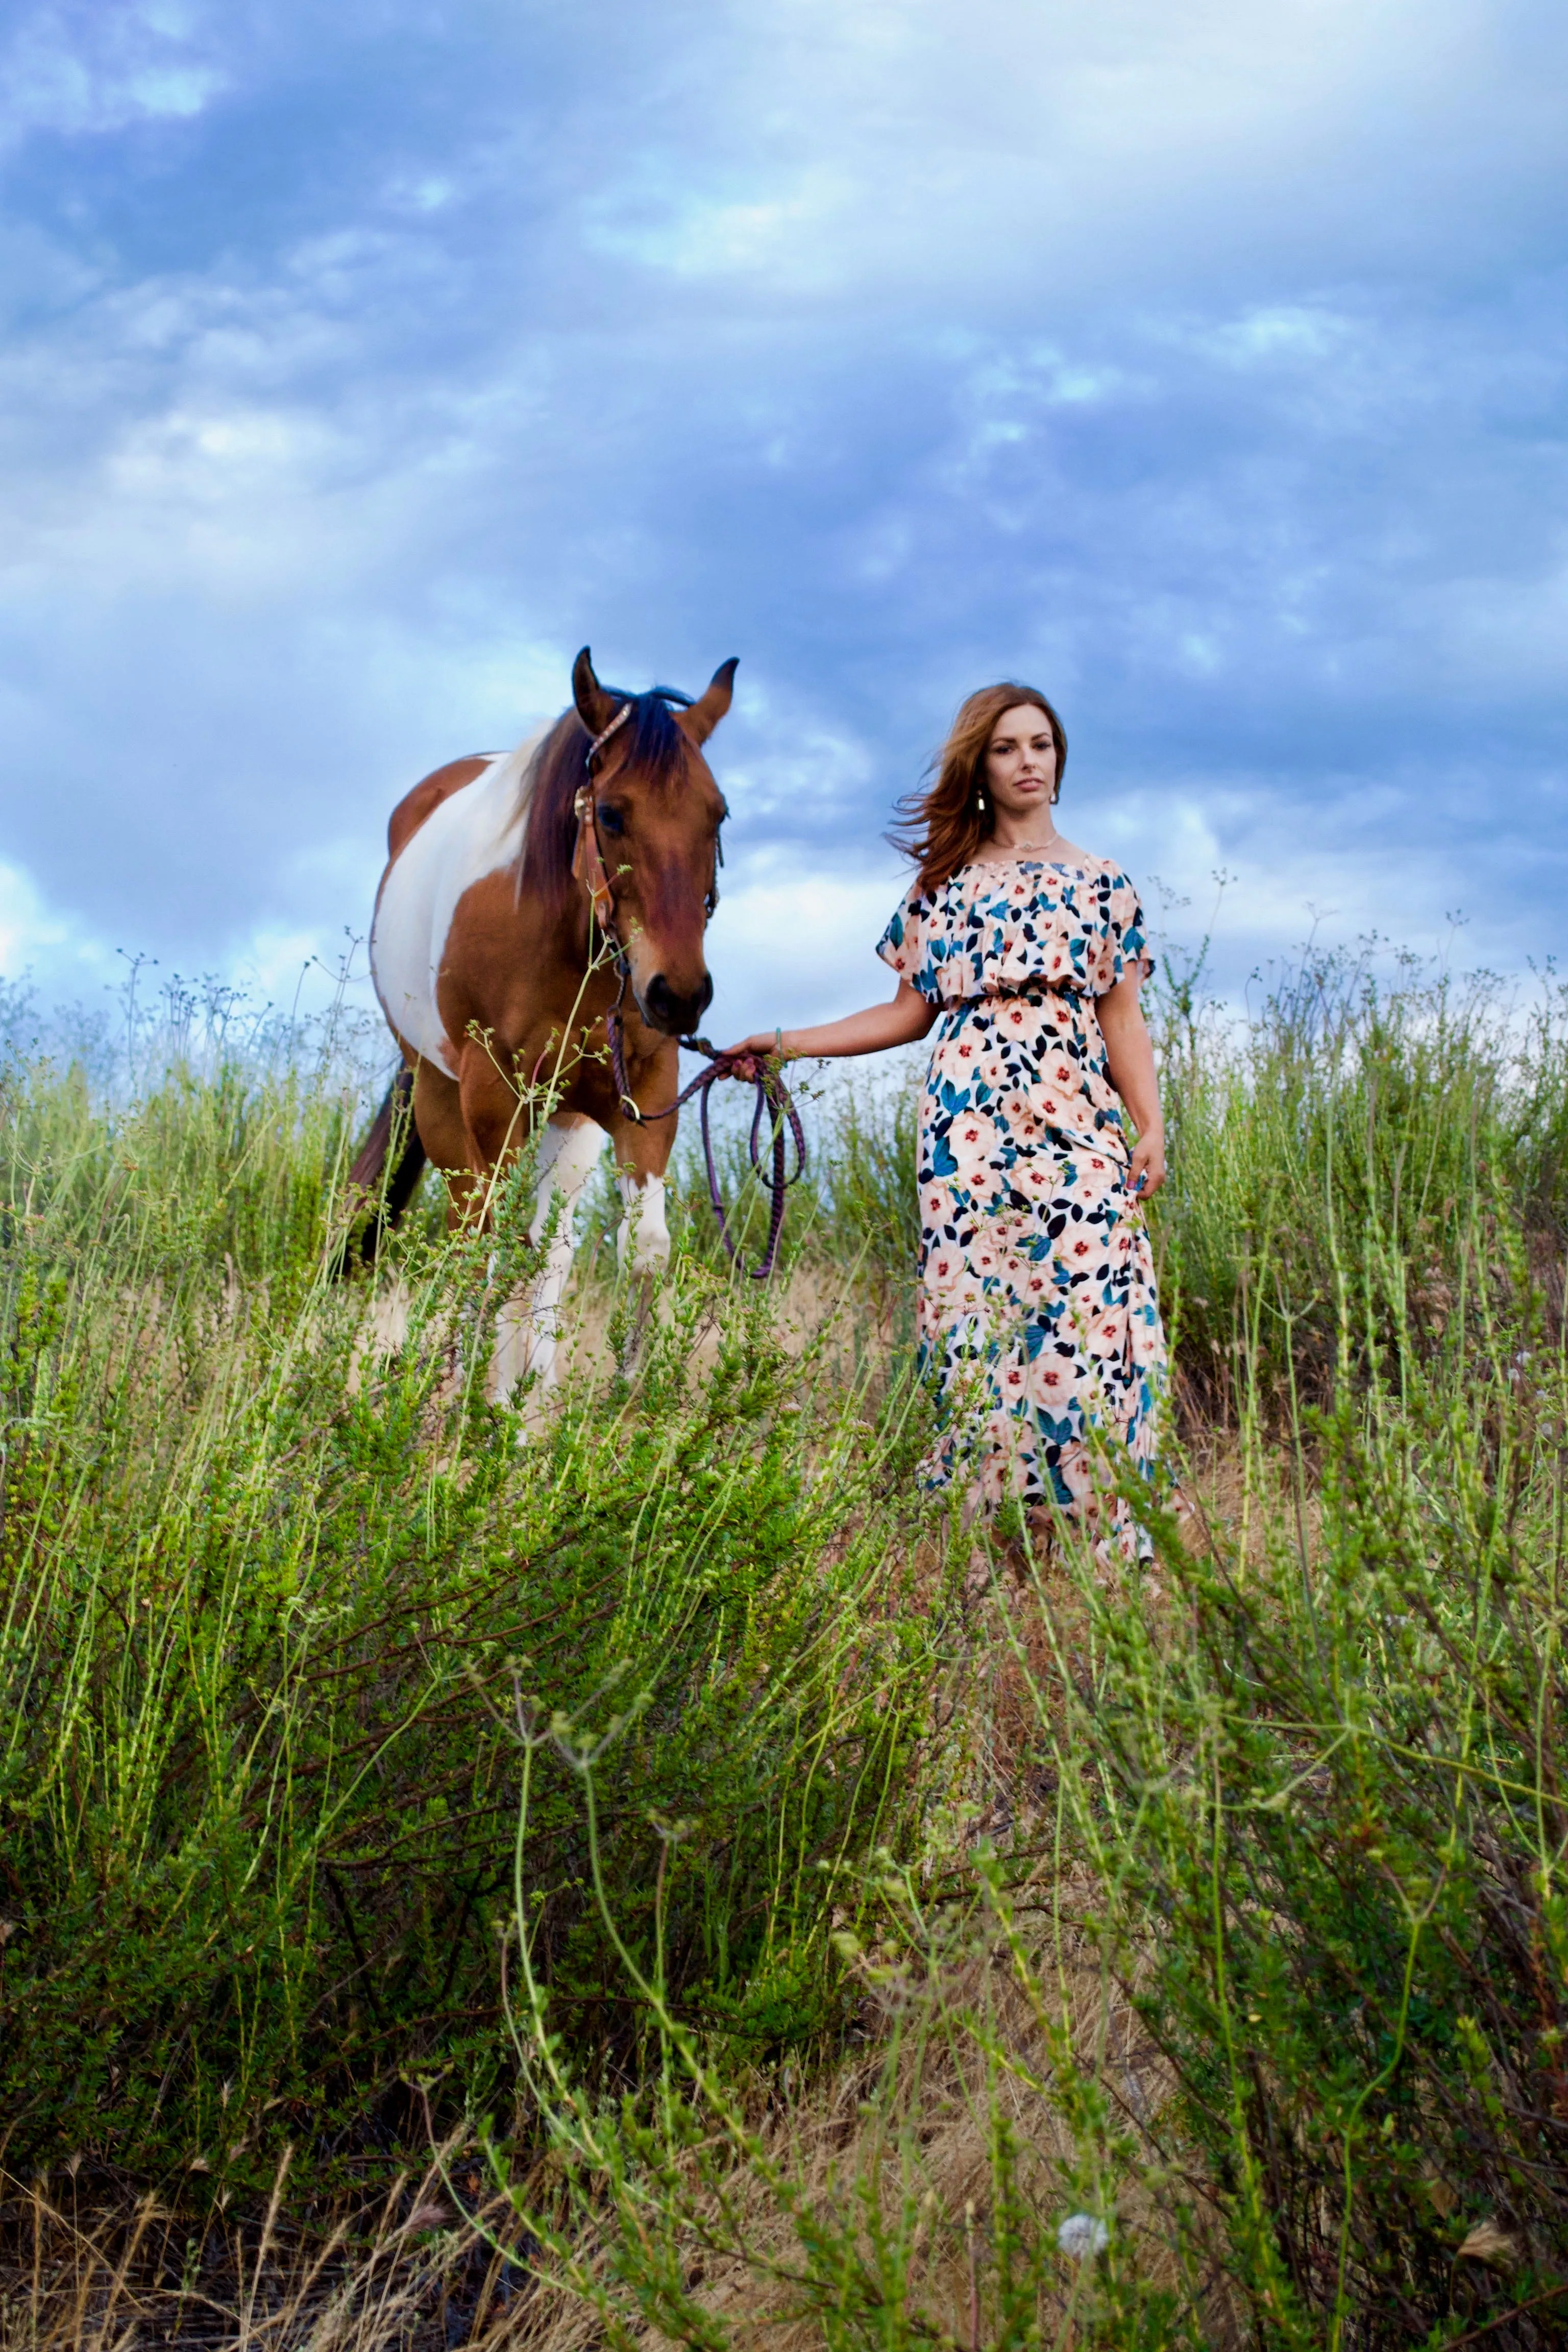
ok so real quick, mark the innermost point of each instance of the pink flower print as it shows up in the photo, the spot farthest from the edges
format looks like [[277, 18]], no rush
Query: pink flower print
[[989, 1263], [973, 1139]]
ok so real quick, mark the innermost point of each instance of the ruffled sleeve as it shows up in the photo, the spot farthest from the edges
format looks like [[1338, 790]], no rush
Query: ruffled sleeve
[[1121, 945], [906, 944]]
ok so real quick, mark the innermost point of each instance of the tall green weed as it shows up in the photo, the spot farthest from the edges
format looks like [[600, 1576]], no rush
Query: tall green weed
[[269, 1604], [837, 1917]]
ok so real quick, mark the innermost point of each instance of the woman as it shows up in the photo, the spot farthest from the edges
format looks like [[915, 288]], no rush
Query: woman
[[1038, 1319]]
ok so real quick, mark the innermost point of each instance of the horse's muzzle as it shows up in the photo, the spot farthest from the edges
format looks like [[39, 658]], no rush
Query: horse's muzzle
[[677, 1015]]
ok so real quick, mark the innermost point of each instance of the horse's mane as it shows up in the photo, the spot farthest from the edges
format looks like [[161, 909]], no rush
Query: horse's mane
[[657, 750]]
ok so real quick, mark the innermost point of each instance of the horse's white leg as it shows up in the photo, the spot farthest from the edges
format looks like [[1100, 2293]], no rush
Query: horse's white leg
[[509, 1356], [642, 1240], [642, 1252], [387, 1322], [383, 1332], [528, 1326]]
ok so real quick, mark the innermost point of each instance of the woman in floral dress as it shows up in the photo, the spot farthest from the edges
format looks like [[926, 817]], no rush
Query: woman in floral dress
[[1038, 1321]]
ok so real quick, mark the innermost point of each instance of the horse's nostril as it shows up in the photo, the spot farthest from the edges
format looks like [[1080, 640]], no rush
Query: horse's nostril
[[675, 1015]]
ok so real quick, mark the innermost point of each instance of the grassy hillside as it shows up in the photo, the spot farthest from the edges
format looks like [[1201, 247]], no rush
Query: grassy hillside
[[780, 1907]]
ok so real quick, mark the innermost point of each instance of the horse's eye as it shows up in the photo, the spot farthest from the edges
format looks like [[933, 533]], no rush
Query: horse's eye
[[610, 819]]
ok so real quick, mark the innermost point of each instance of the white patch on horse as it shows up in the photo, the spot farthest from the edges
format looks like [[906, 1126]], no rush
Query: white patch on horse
[[476, 830], [642, 1239], [528, 1328]]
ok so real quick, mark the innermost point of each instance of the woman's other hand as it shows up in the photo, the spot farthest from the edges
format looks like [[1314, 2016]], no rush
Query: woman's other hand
[[1147, 1172]]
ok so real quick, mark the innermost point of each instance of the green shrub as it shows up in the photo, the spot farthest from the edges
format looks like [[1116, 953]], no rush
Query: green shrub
[[268, 1610], [836, 1918], [1254, 1957]]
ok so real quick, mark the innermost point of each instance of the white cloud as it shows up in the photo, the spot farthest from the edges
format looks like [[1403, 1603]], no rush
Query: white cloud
[[1292, 333], [877, 149], [795, 941], [96, 70], [1260, 878], [41, 940], [886, 346], [790, 232]]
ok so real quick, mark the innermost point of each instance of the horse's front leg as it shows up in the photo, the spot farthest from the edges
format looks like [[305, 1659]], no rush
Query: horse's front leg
[[528, 1324], [528, 1328], [642, 1238]]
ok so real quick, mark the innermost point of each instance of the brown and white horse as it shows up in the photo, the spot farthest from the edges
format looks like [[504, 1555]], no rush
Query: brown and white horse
[[516, 884]]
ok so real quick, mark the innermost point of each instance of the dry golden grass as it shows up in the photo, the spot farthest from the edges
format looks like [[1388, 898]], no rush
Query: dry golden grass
[[909, 2122]]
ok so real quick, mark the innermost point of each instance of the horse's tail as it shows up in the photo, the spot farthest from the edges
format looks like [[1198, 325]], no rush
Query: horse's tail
[[392, 1132]]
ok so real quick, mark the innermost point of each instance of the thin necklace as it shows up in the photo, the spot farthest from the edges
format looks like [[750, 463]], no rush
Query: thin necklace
[[1021, 848]]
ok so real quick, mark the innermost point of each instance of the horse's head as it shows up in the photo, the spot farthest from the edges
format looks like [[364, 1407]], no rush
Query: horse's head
[[658, 813]]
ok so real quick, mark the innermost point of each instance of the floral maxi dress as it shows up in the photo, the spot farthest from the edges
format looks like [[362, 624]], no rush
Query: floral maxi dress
[[1039, 1319]]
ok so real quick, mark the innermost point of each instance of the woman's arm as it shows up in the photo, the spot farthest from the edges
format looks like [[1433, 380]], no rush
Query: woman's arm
[[1130, 1057], [875, 1029]]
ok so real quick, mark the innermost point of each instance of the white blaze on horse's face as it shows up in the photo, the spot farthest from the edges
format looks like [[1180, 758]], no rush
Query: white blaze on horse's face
[[659, 844]]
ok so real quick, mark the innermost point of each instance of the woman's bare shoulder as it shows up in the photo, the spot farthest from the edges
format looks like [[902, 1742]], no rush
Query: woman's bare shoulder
[[1070, 853]]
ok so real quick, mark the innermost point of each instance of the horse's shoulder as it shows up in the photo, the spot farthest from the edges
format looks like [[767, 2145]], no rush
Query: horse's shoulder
[[428, 796]]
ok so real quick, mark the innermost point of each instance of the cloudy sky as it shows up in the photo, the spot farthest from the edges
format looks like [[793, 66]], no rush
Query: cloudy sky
[[1204, 364]]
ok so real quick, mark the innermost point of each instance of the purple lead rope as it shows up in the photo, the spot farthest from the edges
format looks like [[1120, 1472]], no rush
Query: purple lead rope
[[772, 1104]]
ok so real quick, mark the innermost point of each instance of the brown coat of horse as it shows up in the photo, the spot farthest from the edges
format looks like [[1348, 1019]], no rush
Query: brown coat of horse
[[493, 967]]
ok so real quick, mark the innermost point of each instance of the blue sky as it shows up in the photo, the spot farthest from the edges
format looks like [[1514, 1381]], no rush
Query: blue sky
[[1205, 365]]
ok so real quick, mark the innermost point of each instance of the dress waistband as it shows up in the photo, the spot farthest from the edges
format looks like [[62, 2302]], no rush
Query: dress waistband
[[1034, 986]]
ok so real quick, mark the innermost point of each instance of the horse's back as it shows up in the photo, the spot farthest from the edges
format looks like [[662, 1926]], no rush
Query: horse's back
[[428, 794], [460, 822]]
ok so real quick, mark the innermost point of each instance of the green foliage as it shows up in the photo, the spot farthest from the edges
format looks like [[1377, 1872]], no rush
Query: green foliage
[[825, 1912], [269, 1607], [1341, 1142], [1320, 1786], [1266, 1977]]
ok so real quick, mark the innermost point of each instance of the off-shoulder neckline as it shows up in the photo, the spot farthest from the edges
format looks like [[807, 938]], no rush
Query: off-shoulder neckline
[[1000, 865]]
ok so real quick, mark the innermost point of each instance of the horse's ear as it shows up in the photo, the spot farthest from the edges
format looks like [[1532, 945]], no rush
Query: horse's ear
[[705, 714], [595, 709]]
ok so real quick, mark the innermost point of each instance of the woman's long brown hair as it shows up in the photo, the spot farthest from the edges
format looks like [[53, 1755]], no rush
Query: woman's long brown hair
[[943, 827]]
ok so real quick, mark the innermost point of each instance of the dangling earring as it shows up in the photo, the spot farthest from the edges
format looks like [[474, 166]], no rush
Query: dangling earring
[[979, 802]]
